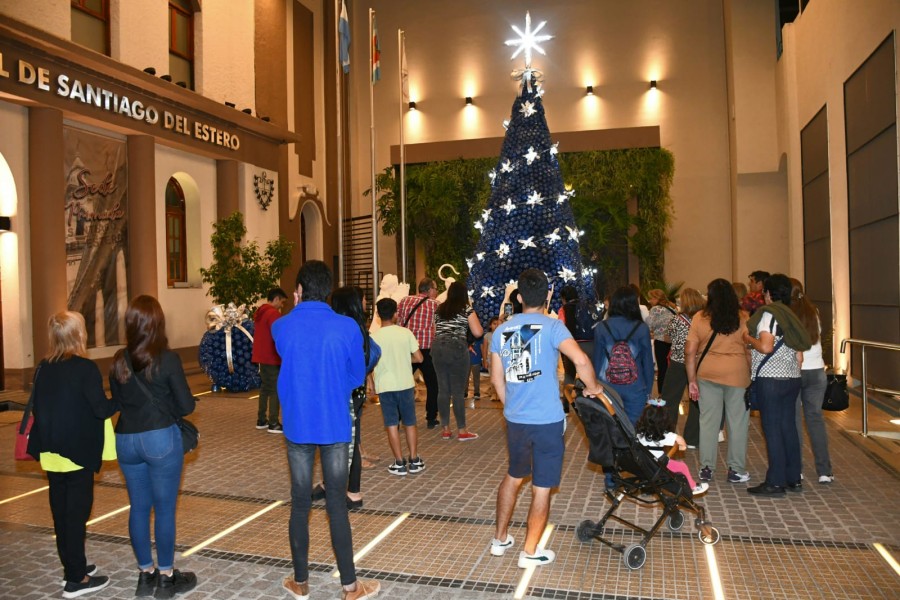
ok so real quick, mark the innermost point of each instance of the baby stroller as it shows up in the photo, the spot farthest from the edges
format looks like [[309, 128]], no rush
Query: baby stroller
[[637, 475]]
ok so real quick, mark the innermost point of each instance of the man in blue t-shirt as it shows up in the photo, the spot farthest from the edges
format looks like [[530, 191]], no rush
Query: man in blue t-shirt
[[524, 357]]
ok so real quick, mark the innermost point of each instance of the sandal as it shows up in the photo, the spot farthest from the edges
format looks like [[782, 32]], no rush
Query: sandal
[[367, 464]]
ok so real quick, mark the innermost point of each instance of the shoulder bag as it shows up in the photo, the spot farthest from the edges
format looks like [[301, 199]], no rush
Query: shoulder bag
[[836, 396], [21, 452], [415, 308], [190, 435]]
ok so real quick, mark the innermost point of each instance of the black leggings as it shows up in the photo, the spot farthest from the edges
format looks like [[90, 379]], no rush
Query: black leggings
[[661, 351]]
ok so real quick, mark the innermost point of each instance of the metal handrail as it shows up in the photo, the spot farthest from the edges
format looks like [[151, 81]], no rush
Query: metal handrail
[[865, 385]]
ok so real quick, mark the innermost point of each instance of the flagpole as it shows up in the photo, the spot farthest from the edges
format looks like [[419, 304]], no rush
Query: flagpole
[[372, 150], [340, 142], [401, 44]]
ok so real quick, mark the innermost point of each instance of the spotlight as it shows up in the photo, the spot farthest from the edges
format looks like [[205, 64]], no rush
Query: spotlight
[[150, 71], [469, 101], [266, 119], [5, 224], [249, 111], [181, 84], [231, 105], [166, 77], [652, 84], [412, 105], [589, 91]]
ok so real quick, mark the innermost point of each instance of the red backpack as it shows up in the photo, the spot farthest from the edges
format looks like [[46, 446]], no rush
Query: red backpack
[[621, 368]]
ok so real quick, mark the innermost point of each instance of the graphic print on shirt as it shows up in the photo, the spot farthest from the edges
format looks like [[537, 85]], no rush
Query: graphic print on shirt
[[519, 347]]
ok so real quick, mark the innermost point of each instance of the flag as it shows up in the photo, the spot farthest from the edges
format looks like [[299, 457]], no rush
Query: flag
[[376, 53], [344, 32], [404, 70]]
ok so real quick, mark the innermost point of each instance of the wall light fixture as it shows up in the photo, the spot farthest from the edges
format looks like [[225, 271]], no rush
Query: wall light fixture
[[5, 224], [412, 105], [589, 91], [652, 84], [469, 101]]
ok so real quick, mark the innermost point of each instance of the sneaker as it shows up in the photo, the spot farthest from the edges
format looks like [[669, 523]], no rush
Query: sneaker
[[398, 467], [93, 584], [721, 436], [432, 424], [147, 583], [299, 591], [176, 583], [538, 559], [705, 474], [364, 589], [446, 435], [735, 477], [700, 489], [826, 478], [91, 570], [476, 397], [276, 428], [470, 404], [794, 487], [261, 424], [466, 436], [499, 548], [416, 466]]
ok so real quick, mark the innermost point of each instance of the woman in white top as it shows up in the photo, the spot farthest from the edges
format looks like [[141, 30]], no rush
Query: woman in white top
[[812, 383]]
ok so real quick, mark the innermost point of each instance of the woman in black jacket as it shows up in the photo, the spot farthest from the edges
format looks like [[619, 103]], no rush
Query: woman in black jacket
[[67, 438], [148, 381]]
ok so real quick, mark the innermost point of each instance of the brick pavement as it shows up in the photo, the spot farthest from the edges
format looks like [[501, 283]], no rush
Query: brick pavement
[[820, 539]]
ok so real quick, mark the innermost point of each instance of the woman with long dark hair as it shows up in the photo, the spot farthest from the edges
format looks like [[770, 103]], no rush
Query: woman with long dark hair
[[718, 372], [812, 383], [624, 324], [69, 408], [349, 301], [778, 341], [147, 380], [450, 352]]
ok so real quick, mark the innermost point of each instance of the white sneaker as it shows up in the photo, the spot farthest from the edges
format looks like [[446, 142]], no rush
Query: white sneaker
[[826, 478], [721, 436], [538, 559], [700, 489], [499, 548]]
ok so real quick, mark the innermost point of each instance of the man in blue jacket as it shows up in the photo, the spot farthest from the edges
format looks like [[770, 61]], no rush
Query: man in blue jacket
[[322, 362]]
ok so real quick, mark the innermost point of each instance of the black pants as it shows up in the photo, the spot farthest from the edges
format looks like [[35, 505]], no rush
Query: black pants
[[356, 458], [71, 499], [431, 385], [661, 351], [673, 392]]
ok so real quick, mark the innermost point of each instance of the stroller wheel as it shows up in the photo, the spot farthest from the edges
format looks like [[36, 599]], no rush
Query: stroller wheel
[[708, 534], [675, 520], [634, 556], [585, 531]]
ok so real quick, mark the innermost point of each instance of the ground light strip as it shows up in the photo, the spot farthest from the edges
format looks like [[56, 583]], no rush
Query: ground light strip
[[365, 549], [529, 571], [718, 593], [887, 557], [108, 515], [46, 487], [253, 397], [237, 525], [203, 393]]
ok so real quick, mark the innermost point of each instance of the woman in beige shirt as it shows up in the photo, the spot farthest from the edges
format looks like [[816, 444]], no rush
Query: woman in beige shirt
[[718, 379]]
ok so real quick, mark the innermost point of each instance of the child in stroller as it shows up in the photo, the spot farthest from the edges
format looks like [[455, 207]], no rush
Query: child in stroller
[[637, 475], [654, 431]]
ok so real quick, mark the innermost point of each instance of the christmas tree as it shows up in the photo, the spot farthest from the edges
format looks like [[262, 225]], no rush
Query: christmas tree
[[528, 222]]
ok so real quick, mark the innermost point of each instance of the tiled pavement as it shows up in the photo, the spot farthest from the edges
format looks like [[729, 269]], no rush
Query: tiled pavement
[[818, 544]]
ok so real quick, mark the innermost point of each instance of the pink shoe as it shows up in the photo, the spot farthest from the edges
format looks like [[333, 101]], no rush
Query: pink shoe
[[465, 437]]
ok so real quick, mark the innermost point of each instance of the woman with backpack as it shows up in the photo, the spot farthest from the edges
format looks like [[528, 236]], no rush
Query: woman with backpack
[[718, 372], [622, 354]]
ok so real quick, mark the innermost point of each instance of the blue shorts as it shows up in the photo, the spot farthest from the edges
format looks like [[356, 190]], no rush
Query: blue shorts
[[536, 450], [398, 406]]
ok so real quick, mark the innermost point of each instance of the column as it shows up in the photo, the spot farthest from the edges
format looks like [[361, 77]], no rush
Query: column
[[142, 218]]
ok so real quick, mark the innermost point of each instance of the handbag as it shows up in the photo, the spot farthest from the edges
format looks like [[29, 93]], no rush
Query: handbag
[[21, 450], [836, 396], [751, 395], [190, 435]]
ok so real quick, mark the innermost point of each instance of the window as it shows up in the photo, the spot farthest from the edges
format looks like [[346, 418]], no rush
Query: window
[[90, 24], [181, 42], [176, 255]]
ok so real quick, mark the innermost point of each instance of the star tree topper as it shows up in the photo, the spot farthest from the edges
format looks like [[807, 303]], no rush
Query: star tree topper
[[529, 40]]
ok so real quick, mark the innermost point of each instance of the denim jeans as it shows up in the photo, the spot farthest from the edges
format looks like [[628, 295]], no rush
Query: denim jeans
[[268, 393], [777, 408], [812, 392], [301, 458], [451, 363], [152, 462]]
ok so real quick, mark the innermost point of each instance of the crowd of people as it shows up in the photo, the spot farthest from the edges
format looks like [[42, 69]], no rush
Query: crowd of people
[[318, 361]]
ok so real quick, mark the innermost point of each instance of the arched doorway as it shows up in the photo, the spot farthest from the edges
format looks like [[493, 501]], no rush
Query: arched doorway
[[9, 252]]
